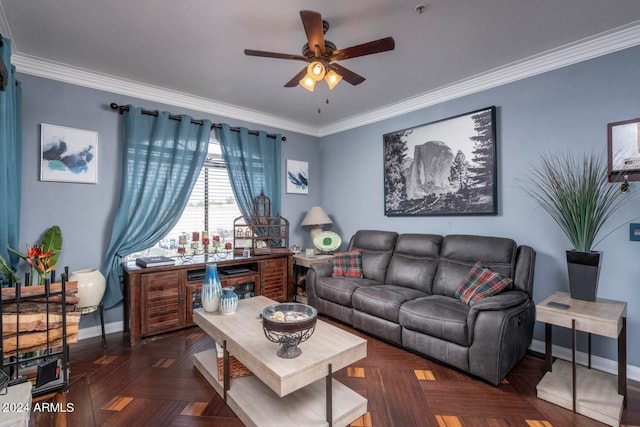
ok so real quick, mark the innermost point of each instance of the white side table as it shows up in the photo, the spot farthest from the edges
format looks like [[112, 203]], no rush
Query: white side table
[[592, 393], [301, 264]]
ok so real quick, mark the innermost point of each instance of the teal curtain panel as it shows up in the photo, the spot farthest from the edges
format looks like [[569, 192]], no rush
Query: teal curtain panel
[[162, 158], [254, 164], [10, 160]]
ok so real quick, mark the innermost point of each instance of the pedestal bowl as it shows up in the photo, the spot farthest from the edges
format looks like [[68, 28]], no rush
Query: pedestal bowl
[[289, 324]]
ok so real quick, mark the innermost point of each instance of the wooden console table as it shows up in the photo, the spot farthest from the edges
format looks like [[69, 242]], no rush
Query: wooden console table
[[162, 299], [592, 393]]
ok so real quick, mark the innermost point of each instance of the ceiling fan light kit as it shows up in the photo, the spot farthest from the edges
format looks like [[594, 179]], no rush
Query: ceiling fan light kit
[[332, 78], [315, 71], [308, 83], [322, 55]]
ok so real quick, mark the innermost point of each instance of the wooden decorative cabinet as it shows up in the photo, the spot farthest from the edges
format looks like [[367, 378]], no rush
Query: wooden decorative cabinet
[[162, 299], [161, 304], [272, 272]]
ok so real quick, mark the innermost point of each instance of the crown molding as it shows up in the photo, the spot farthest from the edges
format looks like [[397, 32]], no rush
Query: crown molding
[[601, 44], [61, 72]]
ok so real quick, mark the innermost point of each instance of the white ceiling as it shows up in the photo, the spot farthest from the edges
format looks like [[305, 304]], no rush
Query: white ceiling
[[190, 53]]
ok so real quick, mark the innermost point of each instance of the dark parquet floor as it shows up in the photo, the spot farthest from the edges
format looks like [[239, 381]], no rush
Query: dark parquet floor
[[155, 384]]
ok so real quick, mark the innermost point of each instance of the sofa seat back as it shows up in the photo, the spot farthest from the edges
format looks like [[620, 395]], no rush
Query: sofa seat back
[[415, 261], [460, 252], [377, 247]]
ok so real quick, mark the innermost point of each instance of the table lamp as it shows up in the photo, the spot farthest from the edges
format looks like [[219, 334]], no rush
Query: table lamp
[[316, 216]]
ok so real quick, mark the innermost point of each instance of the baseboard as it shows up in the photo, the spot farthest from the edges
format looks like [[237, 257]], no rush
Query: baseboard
[[599, 363], [96, 331]]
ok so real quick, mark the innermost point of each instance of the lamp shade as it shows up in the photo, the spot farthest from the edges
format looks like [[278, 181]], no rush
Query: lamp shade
[[308, 83], [332, 78], [316, 216]]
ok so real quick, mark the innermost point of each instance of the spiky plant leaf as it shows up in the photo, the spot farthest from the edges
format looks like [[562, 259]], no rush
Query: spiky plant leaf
[[576, 192]]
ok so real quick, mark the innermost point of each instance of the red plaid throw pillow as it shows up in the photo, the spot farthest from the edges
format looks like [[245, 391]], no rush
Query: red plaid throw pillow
[[481, 282], [348, 263]]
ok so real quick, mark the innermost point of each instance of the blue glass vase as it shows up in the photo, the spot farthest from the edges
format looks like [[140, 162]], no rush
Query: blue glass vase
[[228, 300], [211, 289]]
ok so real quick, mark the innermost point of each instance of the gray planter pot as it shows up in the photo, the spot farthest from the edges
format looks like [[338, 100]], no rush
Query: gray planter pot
[[584, 270]]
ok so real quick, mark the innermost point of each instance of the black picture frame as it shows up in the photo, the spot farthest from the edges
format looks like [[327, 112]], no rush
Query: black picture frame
[[446, 167], [623, 150]]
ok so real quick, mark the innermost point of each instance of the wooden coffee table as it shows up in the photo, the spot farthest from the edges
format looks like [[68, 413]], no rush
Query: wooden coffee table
[[282, 392]]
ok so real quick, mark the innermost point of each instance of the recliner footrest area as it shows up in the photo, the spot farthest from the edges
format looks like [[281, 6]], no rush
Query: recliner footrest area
[[438, 316], [385, 329]]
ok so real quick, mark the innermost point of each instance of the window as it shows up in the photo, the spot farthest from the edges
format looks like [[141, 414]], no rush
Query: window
[[211, 207]]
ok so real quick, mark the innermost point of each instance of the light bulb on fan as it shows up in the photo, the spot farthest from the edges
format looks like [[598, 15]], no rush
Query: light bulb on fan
[[315, 71]]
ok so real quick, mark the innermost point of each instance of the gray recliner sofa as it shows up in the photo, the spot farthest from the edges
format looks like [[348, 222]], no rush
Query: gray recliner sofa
[[407, 297]]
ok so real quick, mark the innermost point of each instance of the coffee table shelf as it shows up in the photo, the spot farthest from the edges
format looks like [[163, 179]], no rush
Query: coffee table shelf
[[257, 405], [282, 391]]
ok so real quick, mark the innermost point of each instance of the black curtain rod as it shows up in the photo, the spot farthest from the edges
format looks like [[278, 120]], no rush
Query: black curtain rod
[[123, 108]]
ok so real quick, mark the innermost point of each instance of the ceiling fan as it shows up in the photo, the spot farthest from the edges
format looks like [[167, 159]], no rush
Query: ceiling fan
[[322, 55]]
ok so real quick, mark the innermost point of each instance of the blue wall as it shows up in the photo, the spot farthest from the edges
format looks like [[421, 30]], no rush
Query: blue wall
[[549, 113], [569, 107], [85, 211]]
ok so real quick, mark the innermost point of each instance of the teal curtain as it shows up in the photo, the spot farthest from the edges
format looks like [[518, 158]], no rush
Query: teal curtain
[[10, 160], [253, 163], [162, 158]]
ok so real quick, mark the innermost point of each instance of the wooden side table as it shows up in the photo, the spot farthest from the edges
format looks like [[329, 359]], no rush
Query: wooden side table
[[301, 264], [592, 393]]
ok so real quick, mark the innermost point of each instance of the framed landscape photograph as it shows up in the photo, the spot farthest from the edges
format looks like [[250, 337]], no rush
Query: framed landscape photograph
[[297, 177], [68, 154], [447, 167], [623, 150]]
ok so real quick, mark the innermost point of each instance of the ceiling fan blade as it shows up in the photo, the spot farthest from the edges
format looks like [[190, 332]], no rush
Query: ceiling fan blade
[[277, 55], [312, 22], [376, 46], [296, 79], [348, 75]]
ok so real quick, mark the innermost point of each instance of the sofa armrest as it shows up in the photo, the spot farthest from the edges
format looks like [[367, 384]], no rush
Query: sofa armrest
[[501, 301], [316, 270], [322, 269], [502, 329]]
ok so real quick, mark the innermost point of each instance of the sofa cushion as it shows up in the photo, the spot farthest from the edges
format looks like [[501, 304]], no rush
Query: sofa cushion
[[481, 282], [460, 252], [347, 264], [340, 289], [415, 261], [439, 316], [377, 248], [383, 301]]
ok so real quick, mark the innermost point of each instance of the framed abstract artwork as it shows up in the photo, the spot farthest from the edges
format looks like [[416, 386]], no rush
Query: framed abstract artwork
[[447, 167], [68, 154], [297, 177]]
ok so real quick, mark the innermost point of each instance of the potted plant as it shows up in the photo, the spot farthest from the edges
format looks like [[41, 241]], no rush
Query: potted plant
[[42, 258], [576, 192]]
